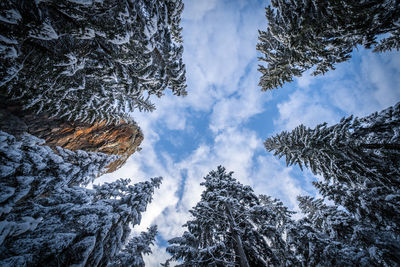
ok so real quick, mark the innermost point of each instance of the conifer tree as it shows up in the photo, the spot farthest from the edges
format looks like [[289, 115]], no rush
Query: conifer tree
[[335, 237], [78, 226], [90, 60], [231, 227], [354, 151], [319, 34], [30, 170], [132, 254], [373, 204], [359, 161], [323, 236]]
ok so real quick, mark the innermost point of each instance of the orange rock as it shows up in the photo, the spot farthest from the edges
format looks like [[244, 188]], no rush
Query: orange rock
[[121, 139]]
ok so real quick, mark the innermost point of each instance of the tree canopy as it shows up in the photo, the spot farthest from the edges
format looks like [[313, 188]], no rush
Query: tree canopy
[[92, 60], [317, 35]]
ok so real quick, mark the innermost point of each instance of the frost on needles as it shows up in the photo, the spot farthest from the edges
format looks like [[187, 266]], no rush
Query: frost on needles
[[232, 226], [90, 60], [47, 217], [359, 161], [316, 35]]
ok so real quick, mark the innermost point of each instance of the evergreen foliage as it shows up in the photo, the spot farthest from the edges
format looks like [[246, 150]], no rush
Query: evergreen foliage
[[354, 151], [29, 170], [336, 237], [48, 219], [312, 33], [76, 227], [132, 254], [231, 226], [92, 60], [359, 161], [375, 205]]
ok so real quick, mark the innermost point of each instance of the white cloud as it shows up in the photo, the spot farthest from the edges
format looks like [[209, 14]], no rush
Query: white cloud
[[219, 41], [238, 108], [272, 178], [358, 87], [196, 10], [304, 107], [156, 257]]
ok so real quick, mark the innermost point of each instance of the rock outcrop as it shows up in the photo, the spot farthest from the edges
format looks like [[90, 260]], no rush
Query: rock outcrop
[[121, 139]]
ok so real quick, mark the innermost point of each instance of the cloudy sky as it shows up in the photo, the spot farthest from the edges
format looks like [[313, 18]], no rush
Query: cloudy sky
[[225, 118]]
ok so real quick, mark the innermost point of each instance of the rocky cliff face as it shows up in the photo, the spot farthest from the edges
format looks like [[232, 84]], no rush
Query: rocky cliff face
[[121, 139]]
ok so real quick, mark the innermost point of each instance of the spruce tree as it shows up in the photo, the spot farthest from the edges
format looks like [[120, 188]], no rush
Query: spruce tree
[[30, 170], [324, 236], [77, 226], [336, 237], [90, 60], [373, 204], [359, 161], [354, 151], [302, 35], [231, 227], [132, 254]]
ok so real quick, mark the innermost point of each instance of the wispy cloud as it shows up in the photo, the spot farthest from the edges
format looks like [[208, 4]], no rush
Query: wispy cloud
[[368, 83]]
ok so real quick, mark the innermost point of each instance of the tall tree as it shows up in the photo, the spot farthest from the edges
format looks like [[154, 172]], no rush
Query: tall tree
[[319, 34], [336, 237], [359, 161], [231, 227], [29, 170], [325, 236], [90, 60], [132, 254], [77, 226], [354, 151], [372, 204]]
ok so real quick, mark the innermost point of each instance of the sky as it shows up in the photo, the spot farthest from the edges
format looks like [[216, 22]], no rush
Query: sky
[[225, 117]]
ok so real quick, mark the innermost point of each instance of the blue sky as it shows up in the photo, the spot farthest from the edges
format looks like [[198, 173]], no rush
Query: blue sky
[[225, 118]]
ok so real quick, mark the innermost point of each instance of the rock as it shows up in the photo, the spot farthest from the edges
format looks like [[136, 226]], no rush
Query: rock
[[121, 139]]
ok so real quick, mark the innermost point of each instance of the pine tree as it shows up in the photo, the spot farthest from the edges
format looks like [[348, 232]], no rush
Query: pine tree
[[30, 170], [324, 236], [354, 151], [305, 34], [359, 161], [336, 237], [78, 226], [90, 60], [373, 204], [132, 254], [277, 222], [231, 227]]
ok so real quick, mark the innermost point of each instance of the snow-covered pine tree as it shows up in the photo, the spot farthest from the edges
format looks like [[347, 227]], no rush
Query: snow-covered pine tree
[[90, 60], [322, 238], [29, 169], [77, 226], [304, 34], [359, 160], [276, 223], [372, 204], [335, 237], [354, 151], [231, 227], [132, 254]]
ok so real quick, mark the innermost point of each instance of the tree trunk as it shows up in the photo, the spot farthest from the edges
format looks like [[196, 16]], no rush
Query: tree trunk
[[238, 240]]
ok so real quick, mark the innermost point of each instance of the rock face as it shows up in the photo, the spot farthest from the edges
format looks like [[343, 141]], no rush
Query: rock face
[[121, 139]]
